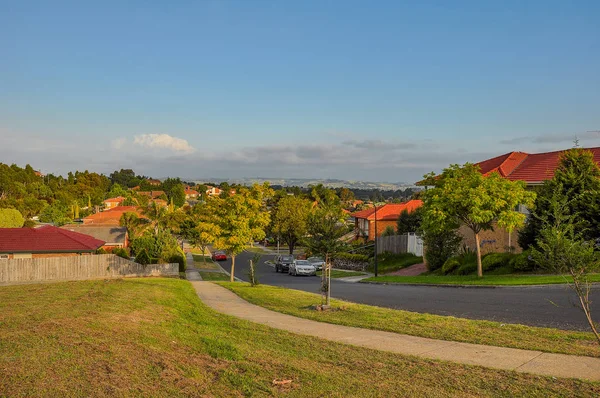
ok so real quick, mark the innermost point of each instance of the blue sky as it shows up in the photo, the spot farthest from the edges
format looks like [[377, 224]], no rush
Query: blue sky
[[383, 90]]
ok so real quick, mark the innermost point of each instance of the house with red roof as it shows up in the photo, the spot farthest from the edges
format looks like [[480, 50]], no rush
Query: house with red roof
[[45, 241], [112, 216], [111, 203], [533, 168], [387, 216], [190, 193]]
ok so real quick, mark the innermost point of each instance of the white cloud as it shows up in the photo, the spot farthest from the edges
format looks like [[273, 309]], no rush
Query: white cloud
[[163, 141]]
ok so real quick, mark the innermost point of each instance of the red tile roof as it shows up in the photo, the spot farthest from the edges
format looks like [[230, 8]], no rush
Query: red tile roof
[[46, 239], [531, 168], [118, 199], [112, 216], [390, 211]]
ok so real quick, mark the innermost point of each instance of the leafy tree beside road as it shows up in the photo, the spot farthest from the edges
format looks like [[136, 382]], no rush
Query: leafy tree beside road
[[241, 218], [462, 195], [290, 220]]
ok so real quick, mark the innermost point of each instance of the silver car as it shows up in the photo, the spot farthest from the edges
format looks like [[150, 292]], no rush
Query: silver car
[[317, 262], [302, 267]]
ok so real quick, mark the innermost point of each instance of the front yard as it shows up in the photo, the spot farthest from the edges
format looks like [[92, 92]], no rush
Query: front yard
[[154, 337]]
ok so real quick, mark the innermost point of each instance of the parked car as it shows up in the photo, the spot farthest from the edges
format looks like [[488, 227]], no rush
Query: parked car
[[282, 262], [219, 256], [302, 267], [317, 262]]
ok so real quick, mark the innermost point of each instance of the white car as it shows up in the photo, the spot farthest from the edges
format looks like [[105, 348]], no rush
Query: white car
[[302, 267], [316, 262]]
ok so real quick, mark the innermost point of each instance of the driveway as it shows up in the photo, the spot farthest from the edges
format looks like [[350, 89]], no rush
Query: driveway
[[549, 306]]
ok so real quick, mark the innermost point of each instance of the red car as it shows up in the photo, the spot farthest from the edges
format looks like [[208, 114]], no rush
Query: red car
[[219, 256]]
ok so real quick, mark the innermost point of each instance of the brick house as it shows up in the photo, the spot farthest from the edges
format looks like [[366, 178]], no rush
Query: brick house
[[111, 203], [533, 169], [45, 241], [190, 193], [387, 216]]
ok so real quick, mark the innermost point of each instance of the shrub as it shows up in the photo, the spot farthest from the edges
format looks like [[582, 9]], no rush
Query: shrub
[[439, 247], [121, 252], [389, 231], [450, 265], [522, 262], [101, 251], [142, 257], [175, 256], [467, 268], [495, 260], [351, 257]]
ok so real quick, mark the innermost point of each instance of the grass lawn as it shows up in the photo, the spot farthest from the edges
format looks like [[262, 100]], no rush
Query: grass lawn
[[489, 280], [296, 302], [153, 337], [214, 276], [342, 274], [258, 250], [387, 262]]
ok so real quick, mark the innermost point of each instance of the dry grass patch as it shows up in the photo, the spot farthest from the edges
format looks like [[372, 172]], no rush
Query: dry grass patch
[[153, 337]]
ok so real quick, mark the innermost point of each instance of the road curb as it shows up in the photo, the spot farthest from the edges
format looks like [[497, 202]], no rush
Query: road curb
[[555, 285]]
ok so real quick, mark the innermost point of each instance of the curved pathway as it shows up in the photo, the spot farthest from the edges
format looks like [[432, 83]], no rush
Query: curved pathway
[[558, 365]]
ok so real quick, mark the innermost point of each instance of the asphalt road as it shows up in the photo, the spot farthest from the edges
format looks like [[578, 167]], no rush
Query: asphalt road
[[550, 306]]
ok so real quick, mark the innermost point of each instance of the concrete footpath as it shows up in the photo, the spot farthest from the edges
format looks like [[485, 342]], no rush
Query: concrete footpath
[[536, 362]]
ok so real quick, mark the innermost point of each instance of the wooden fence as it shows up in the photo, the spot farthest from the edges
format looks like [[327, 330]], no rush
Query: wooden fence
[[407, 243], [103, 266]]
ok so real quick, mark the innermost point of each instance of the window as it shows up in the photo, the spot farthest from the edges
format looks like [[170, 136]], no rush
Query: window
[[3, 256]]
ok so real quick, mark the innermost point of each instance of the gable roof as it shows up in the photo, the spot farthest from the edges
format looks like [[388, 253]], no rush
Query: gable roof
[[118, 199], [111, 216], [46, 239], [389, 211], [107, 233], [531, 168]]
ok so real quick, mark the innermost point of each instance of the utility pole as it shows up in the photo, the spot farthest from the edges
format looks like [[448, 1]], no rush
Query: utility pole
[[375, 259]]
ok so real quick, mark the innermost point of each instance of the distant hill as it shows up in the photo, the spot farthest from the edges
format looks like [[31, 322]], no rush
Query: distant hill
[[305, 182]]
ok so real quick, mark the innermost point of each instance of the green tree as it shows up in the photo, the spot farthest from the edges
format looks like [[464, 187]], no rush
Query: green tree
[[134, 224], [56, 213], [462, 195], [290, 220], [11, 218], [409, 222], [562, 248], [241, 218], [577, 177], [116, 190], [175, 191]]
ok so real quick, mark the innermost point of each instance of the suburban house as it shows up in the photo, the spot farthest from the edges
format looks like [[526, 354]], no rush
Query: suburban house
[[111, 203], [112, 216], [387, 215], [153, 182], [213, 191], [114, 236], [190, 193], [159, 202], [45, 241], [152, 194], [533, 169]]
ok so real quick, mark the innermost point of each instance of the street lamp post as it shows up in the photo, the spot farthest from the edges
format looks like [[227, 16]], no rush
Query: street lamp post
[[375, 258]]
